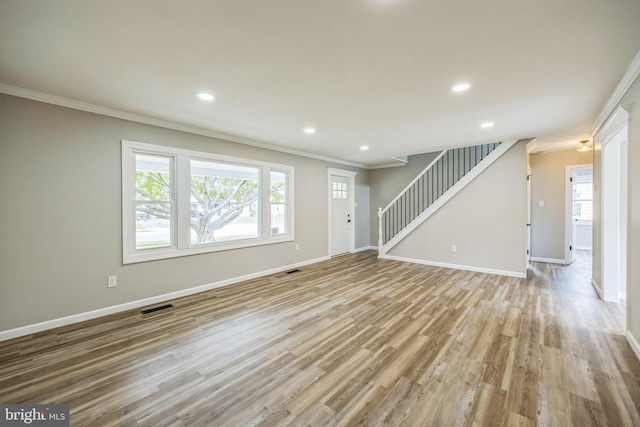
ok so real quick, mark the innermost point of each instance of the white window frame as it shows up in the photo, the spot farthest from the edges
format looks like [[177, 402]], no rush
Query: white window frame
[[181, 237], [288, 180]]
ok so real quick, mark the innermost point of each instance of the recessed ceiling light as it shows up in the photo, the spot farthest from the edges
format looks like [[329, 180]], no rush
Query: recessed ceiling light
[[364, 147], [461, 87], [205, 96], [486, 125], [309, 130]]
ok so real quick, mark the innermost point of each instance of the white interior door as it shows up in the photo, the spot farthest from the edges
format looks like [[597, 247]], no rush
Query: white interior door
[[341, 220]]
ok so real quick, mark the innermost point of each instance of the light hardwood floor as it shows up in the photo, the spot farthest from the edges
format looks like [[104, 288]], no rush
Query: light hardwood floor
[[350, 341]]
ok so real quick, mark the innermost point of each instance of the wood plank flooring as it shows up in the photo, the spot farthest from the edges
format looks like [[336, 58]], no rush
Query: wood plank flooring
[[351, 341]]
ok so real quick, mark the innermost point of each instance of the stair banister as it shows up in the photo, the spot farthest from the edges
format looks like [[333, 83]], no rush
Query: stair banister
[[446, 175], [433, 162]]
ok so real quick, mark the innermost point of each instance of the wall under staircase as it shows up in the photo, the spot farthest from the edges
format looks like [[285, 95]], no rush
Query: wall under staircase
[[481, 227]]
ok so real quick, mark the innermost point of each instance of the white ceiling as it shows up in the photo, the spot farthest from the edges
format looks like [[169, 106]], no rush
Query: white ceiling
[[374, 72]]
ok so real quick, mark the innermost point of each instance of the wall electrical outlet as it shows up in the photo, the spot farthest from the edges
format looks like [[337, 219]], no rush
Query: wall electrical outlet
[[297, 247], [112, 281], [454, 248]]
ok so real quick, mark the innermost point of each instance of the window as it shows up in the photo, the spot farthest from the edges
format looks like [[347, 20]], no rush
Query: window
[[224, 202], [339, 190], [153, 204], [180, 202], [278, 198], [583, 201]]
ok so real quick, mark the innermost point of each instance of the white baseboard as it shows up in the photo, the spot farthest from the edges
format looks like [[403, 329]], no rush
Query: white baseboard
[[518, 274], [549, 260], [584, 248], [80, 317], [597, 287], [635, 345], [622, 295], [365, 248]]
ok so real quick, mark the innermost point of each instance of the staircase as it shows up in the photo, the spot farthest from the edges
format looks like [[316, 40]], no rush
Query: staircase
[[444, 177]]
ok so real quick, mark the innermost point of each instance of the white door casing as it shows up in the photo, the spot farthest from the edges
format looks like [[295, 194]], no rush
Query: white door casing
[[341, 211], [569, 228]]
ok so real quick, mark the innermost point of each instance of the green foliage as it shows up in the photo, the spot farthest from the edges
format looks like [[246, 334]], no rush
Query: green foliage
[[218, 200], [277, 191], [153, 186]]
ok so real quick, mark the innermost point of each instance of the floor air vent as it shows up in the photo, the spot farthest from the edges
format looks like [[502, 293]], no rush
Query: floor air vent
[[293, 271], [154, 309]]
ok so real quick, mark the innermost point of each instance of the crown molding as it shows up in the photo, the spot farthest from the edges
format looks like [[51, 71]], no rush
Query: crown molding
[[616, 121], [104, 111], [623, 86], [387, 165]]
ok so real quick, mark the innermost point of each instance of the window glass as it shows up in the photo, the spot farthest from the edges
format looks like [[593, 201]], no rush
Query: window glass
[[224, 202], [584, 201], [278, 198], [153, 205]]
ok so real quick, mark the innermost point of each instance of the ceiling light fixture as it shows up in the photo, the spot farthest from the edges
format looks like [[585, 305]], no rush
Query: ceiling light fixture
[[364, 147], [486, 125], [584, 146], [309, 130], [205, 96], [461, 87]]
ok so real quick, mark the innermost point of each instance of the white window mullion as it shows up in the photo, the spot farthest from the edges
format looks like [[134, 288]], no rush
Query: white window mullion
[[265, 203], [290, 204], [183, 201], [128, 204]]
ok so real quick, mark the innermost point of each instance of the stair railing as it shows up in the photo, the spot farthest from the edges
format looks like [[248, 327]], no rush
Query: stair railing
[[438, 177]]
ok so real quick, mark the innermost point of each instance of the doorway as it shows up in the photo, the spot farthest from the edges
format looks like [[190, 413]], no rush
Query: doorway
[[578, 211], [341, 211], [614, 217]]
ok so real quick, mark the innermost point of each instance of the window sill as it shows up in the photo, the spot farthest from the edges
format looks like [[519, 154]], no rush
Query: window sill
[[165, 253]]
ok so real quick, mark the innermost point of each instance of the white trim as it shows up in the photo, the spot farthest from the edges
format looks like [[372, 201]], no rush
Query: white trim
[[622, 295], [387, 165], [549, 260], [521, 275], [584, 248], [341, 172], [448, 195], [623, 86], [365, 248], [351, 175], [633, 342], [93, 314], [618, 120], [403, 159], [109, 112], [597, 288], [568, 211]]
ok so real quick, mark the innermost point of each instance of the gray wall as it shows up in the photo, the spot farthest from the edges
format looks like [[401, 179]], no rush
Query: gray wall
[[61, 229], [632, 96], [548, 173], [486, 221], [387, 183]]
